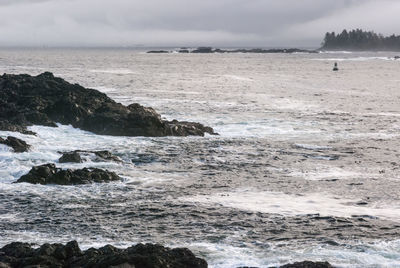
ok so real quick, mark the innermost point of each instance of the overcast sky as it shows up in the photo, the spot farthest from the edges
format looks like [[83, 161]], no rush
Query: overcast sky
[[266, 23]]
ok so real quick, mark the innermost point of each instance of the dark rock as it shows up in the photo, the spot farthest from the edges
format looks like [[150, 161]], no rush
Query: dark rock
[[17, 250], [396, 57], [183, 51], [58, 255], [253, 50], [203, 50], [308, 264], [157, 51], [188, 128], [106, 155], [71, 157], [19, 146], [75, 156], [44, 100], [49, 174], [7, 126]]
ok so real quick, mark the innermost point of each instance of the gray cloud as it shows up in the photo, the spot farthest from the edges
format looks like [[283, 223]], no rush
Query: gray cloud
[[188, 22]]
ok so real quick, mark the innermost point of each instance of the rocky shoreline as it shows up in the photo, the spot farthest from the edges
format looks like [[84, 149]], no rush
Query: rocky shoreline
[[219, 50], [46, 100], [18, 254]]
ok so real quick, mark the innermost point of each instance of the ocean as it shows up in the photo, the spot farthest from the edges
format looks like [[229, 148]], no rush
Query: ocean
[[306, 165]]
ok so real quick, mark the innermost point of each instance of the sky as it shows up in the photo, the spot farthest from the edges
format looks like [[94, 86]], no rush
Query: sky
[[157, 23]]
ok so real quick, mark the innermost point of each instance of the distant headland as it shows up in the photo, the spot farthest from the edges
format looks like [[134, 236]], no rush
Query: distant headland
[[353, 40], [359, 40]]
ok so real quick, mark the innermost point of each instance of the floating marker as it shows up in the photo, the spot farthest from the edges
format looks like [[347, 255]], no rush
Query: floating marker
[[335, 67]]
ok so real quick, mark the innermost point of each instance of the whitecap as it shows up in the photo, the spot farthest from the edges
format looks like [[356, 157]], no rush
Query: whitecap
[[113, 71], [330, 173], [293, 205], [356, 59], [312, 147], [240, 78]]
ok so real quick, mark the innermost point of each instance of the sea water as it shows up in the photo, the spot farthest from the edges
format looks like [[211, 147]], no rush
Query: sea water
[[305, 167]]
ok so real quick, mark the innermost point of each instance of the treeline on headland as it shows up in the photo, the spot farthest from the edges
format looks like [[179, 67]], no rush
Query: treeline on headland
[[360, 40]]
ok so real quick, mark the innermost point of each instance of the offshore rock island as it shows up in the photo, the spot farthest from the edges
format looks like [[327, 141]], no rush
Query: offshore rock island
[[46, 100], [208, 50]]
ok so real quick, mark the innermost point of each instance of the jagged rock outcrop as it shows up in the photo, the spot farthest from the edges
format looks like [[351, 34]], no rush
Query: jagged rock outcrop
[[19, 254], [46, 100], [50, 174], [18, 145]]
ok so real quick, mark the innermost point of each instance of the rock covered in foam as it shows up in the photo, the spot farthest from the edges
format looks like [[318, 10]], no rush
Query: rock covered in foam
[[46, 100], [58, 255], [50, 174], [18, 145]]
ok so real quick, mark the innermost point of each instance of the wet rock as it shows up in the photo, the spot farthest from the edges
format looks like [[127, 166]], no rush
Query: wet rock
[[50, 174], [75, 156], [58, 255], [17, 250], [71, 157], [106, 155], [46, 100], [396, 57], [158, 51], [7, 126], [188, 128], [203, 50], [208, 50], [253, 50], [19, 146], [308, 264]]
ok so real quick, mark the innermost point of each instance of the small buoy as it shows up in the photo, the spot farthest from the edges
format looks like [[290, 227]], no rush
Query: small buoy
[[335, 68]]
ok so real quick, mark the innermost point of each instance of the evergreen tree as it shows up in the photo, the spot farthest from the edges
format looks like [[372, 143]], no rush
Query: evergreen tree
[[358, 39]]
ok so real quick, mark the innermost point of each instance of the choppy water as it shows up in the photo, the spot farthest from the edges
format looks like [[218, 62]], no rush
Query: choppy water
[[306, 165]]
